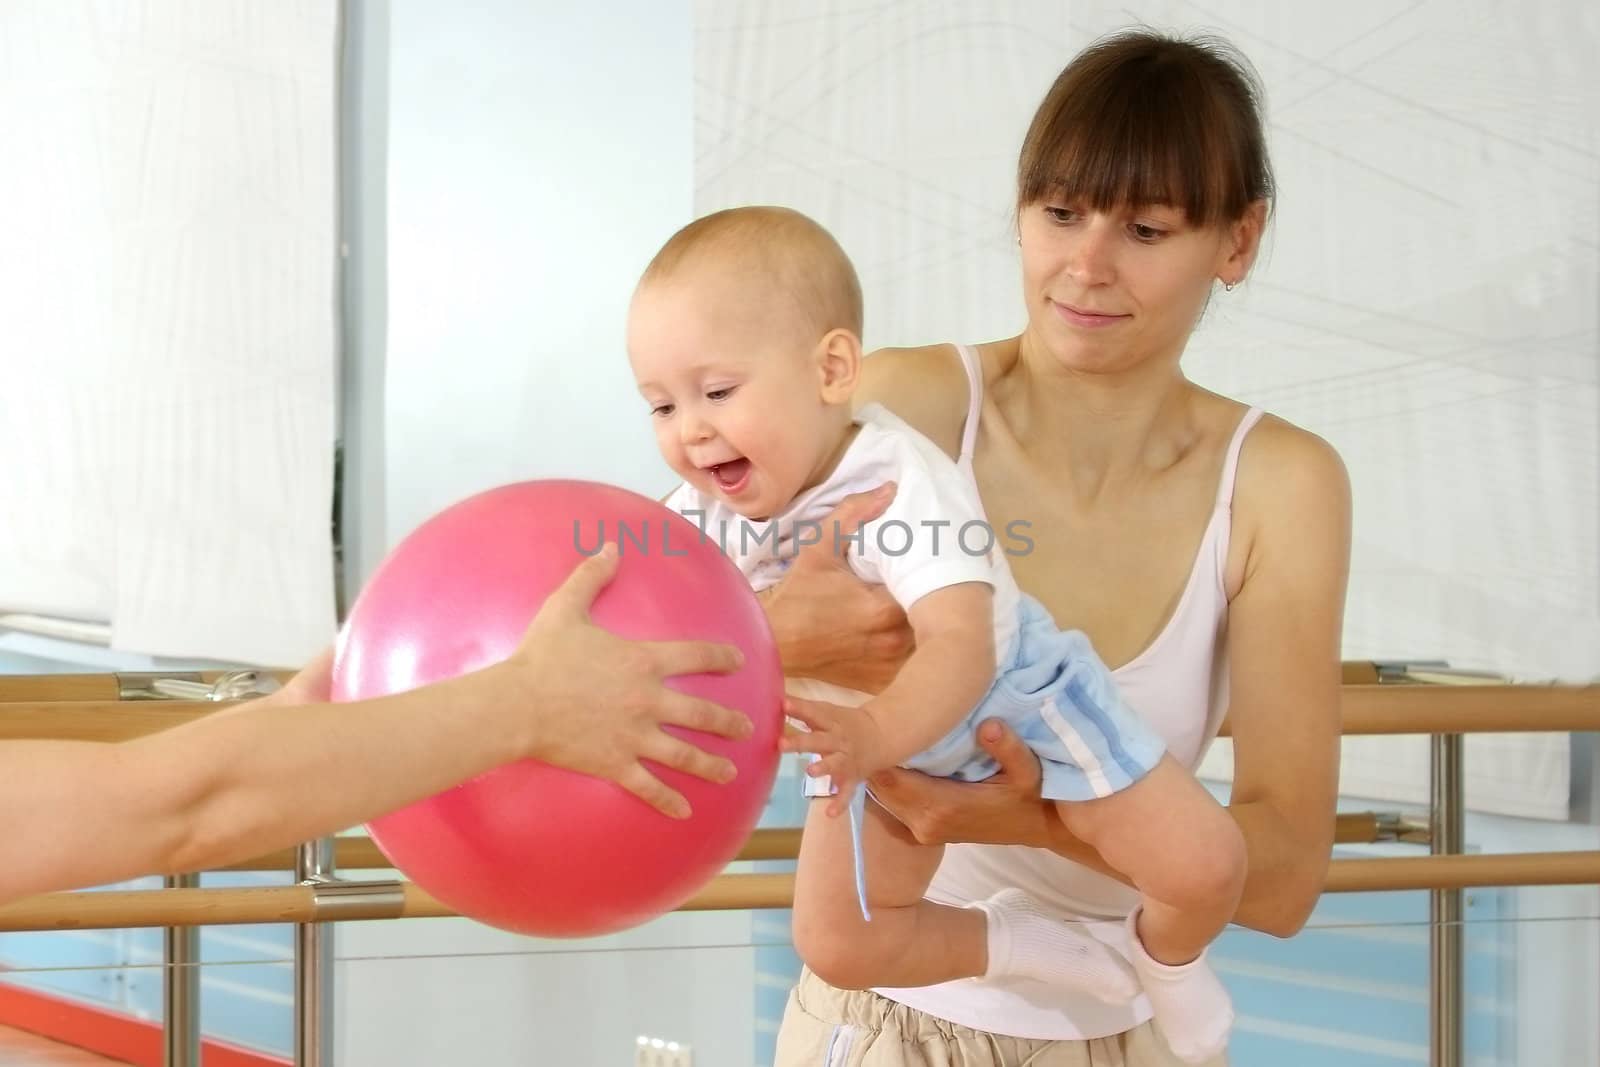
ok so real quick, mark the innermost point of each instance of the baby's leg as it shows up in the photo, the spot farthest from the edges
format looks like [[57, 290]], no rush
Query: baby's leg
[[911, 941], [1186, 857], [1178, 846]]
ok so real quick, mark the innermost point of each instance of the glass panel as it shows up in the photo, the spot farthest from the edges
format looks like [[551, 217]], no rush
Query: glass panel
[[92, 987], [1349, 990]]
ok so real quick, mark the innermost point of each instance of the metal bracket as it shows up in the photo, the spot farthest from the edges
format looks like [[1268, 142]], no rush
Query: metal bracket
[[190, 685], [332, 897], [1410, 829]]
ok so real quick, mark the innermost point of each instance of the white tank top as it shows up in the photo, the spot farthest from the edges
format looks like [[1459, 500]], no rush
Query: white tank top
[[1179, 684]]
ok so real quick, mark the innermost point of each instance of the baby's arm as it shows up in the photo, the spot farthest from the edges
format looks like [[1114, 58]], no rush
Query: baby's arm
[[948, 673]]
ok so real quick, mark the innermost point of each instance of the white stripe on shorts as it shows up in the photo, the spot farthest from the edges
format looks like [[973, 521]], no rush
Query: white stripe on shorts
[[1087, 761]]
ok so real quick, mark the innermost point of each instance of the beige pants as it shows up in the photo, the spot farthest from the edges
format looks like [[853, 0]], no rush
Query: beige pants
[[827, 1027]]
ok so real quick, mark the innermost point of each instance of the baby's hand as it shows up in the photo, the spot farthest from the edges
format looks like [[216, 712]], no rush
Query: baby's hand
[[848, 740]]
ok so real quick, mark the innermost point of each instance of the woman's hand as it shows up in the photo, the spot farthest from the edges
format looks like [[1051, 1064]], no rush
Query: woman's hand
[[829, 624], [1003, 810]]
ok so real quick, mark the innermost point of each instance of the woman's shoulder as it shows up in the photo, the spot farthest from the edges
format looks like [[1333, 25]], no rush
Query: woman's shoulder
[[1291, 487], [925, 386], [1280, 457]]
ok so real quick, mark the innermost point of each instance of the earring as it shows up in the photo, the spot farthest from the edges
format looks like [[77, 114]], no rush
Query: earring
[[1227, 287]]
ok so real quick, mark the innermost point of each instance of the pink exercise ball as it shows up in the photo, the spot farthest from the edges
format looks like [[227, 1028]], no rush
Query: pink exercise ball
[[529, 847]]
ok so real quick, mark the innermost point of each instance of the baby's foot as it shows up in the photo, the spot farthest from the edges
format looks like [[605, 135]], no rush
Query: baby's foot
[[1192, 1008], [1025, 939]]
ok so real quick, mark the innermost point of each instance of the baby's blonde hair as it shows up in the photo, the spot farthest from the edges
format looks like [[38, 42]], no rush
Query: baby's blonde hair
[[776, 244]]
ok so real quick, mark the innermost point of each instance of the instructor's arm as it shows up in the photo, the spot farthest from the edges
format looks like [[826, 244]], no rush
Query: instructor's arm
[[274, 772]]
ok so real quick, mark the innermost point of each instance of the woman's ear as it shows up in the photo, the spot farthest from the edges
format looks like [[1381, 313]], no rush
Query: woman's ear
[[1243, 242], [839, 365]]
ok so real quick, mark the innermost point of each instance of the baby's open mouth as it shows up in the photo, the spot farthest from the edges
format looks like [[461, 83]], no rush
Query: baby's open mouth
[[732, 474]]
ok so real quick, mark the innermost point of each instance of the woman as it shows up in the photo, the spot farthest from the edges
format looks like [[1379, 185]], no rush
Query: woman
[[290, 767], [1201, 545]]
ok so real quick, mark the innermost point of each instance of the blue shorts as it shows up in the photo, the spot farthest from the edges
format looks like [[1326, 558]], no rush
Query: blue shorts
[[1060, 699]]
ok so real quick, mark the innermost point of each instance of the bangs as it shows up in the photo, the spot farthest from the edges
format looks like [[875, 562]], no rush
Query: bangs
[[1140, 134]]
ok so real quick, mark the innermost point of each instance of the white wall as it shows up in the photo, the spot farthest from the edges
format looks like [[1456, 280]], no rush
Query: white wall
[[1426, 299], [537, 155]]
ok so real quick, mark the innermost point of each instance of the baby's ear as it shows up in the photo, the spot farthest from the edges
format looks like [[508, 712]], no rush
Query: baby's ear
[[839, 365]]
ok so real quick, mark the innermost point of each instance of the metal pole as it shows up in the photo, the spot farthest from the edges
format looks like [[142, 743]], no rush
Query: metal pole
[[313, 967], [180, 1025], [313, 942], [1444, 908]]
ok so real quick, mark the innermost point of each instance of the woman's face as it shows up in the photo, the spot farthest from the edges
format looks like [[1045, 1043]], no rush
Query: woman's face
[[1108, 291]]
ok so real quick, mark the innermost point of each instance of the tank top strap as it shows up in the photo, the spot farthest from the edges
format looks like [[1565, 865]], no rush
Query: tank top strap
[[969, 429], [1230, 466]]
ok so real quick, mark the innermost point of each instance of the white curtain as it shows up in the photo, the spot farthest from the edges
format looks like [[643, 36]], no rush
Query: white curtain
[[167, 302], [1427, 300]]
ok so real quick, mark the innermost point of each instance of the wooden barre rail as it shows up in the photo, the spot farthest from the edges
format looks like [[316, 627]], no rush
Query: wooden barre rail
[[772, 843], [362, 853], [730, 892], [95, 687], [1462, 872], [96, 720], [1469, 709], [107, 686], [104, 687], [1368, 710]]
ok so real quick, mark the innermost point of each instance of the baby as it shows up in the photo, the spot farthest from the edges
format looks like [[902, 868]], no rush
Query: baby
[[744, 337]]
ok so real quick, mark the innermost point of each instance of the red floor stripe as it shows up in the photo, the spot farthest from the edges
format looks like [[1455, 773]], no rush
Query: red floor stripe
[[108, 1033]]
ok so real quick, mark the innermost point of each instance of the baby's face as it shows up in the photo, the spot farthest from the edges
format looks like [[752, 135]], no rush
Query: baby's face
[[734, 391]]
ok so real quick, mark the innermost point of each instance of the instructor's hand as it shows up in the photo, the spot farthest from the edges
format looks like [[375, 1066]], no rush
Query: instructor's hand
[[596, 703]]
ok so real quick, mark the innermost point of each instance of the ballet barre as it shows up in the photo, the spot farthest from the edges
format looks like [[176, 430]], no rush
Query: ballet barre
[[1376, 700]]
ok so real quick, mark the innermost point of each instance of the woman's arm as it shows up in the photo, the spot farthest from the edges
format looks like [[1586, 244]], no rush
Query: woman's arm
[[1284, 630], [269, 773]]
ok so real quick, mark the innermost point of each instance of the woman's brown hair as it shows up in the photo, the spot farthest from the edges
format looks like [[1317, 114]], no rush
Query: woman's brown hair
[[1140, 118]]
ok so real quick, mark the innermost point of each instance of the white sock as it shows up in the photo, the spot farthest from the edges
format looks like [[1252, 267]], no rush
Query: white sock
[[1024, 939], [1192, 1008]]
